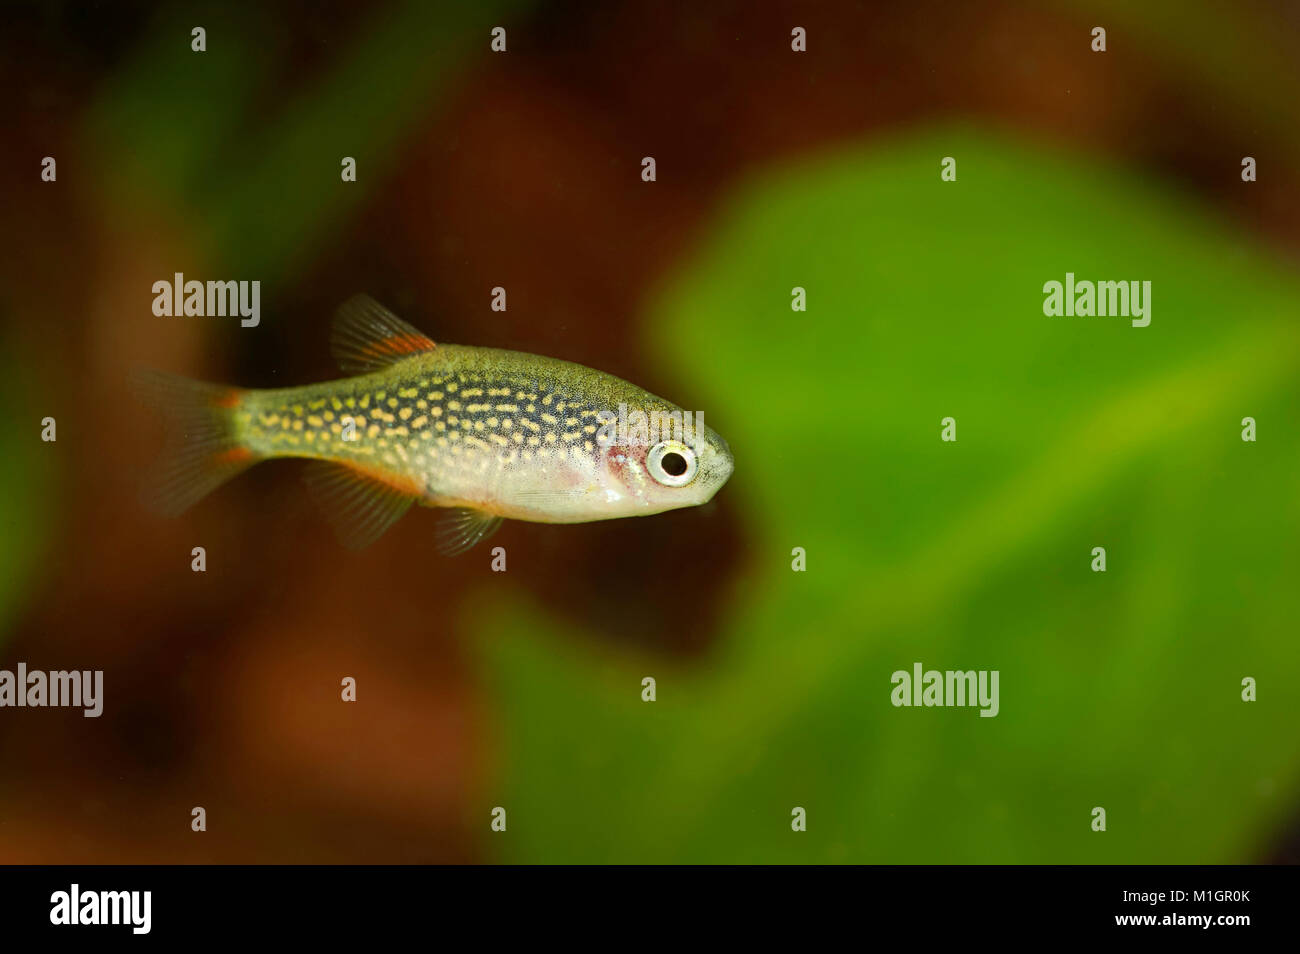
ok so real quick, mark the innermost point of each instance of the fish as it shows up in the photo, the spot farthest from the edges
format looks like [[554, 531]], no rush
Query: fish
[[483, 434]]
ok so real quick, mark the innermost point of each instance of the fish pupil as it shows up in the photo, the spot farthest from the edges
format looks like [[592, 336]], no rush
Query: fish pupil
[[674, 465]]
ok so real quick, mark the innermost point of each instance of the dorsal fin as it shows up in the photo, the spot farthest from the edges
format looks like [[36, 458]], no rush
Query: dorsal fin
[[366, 336]]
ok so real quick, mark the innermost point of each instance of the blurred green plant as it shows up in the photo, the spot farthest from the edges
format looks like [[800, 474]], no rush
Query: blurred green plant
[[260, 178], [25, 483], [1119, 689]]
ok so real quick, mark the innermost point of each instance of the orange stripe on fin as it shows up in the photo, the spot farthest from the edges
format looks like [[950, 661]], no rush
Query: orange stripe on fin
[[398, 482], [400, 345], [235, 455]]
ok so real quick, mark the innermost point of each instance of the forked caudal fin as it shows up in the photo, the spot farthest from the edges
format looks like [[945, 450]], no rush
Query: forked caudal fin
[[203, 449]]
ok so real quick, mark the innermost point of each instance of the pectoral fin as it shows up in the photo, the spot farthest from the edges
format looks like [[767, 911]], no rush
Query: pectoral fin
[[461, 527]]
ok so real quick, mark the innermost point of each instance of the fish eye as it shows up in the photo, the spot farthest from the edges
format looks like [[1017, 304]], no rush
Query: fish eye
[[671, 463]]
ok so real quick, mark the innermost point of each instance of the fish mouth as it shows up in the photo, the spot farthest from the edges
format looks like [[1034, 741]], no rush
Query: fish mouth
[[726, 463]]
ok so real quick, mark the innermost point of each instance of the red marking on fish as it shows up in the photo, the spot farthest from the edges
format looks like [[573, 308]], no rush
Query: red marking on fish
[[401, 344], [236, 455]]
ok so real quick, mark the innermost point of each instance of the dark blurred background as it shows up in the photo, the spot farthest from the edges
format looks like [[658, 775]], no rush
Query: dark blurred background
[[522, 170]]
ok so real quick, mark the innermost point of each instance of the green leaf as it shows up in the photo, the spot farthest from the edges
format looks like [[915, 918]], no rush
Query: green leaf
[[1119, 689]]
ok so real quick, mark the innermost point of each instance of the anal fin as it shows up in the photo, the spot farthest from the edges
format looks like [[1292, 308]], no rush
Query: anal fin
[[462, 527], [360, 507]]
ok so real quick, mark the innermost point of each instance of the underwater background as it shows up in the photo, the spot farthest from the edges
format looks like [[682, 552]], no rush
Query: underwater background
[[775, 169]]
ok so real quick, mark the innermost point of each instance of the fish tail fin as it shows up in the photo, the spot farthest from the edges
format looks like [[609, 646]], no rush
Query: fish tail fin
[[204, 449]]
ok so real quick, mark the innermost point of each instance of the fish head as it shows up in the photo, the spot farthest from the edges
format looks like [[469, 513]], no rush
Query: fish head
[[666, 467], [617, 451]]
